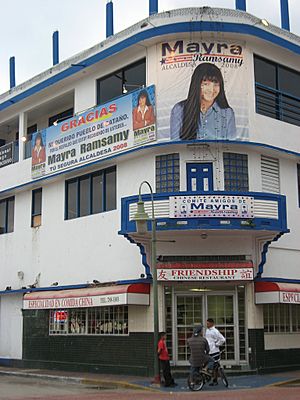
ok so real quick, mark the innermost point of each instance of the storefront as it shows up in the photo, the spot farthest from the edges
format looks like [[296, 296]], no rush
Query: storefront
[[196, 291]]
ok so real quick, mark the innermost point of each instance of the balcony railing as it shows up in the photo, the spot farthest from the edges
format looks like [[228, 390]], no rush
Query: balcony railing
[[258, 211]]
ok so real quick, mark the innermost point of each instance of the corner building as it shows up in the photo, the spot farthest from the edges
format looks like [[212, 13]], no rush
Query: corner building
[[220, 149]]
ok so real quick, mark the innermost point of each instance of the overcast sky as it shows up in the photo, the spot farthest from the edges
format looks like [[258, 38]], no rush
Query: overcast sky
[[26, 27]]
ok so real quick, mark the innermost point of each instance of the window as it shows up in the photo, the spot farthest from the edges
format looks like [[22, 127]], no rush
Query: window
[[270, 174], [235, 172], [61, 116], [36, 211], [298, 180], [277, 91], [129, 78], [30, 131], [91, 194], [282, 318], [7, 210], [89, 321], [167, 173]]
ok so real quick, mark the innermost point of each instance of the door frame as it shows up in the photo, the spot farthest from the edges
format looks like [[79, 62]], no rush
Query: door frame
[[234, 293], [187, 172]]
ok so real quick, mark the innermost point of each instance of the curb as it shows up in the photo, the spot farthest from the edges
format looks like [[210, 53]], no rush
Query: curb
[[287, 382], [106, 384]]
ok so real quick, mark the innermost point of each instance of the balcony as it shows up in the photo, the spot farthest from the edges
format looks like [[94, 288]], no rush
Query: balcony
[[192, 211]]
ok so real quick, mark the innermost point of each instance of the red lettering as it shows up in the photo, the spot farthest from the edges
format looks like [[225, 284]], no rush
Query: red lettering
[[113, 108], [65, 127], [103, 112], [90, 117], [73, 124], [81, 121]]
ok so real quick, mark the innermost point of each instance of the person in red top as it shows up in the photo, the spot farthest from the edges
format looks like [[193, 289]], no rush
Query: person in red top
[[143, 114], [38, 151], [164, 360]]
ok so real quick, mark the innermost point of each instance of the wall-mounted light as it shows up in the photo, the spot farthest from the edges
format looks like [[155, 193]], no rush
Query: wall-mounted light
[[23, 138]]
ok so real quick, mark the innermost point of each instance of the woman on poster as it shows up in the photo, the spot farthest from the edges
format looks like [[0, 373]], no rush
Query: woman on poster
[[143, 114], [38, 151], [205, 114]]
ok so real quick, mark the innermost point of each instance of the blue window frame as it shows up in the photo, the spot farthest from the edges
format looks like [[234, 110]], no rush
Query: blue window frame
[[200, 177], [235, 172], [91, 194], [167, 173], [277, 91], [36, 209], [7, 212]]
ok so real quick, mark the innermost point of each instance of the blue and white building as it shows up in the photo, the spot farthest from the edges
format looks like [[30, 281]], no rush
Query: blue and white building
[[76, 276]]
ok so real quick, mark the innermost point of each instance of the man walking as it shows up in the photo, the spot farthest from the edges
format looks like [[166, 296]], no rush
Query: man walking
[[215, 340]]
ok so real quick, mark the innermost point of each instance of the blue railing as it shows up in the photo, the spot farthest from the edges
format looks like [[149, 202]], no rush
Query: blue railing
[[262, 219], [277, 104]]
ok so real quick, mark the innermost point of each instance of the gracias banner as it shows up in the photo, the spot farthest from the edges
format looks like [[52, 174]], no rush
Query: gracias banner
[[108, 129], [202, 90]]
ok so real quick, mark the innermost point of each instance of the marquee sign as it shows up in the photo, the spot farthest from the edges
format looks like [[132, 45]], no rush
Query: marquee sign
[[205, 271], [211, 206]]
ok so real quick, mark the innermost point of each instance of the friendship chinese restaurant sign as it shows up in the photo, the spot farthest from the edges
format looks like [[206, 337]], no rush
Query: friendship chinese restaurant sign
[[211, 206], [205, 271], [96, 134]]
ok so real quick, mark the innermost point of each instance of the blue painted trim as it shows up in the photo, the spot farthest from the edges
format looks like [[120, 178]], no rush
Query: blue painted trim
[[240, 5], [12, 72], [279, 280], [153, 7], [55, 48], [134, 281], [109, 19], [180, 27], [285, 19], [264, 254], [43, 289], [151, 146], [143, 254], [259, 224], [199, 175]]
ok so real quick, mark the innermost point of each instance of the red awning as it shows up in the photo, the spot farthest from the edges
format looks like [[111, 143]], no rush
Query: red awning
[[137, 294], [277, 292]]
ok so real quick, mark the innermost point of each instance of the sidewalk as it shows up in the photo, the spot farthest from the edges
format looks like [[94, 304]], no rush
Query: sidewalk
[[106, 381]]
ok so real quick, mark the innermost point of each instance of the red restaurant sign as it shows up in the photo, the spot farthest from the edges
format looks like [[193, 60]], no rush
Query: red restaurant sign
[[215, 271]]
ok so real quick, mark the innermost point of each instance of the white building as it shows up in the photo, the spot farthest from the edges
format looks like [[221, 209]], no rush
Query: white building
[[225, 171]]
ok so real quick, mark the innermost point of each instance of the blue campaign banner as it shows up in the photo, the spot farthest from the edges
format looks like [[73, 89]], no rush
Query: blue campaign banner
[[110, 128]]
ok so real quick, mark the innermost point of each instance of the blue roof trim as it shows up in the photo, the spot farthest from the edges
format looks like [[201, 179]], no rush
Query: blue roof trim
[[180, 27], [72, 287], [159, 144]]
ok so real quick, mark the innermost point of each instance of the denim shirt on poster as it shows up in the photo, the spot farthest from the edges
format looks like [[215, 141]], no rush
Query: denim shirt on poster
[[216, 124]]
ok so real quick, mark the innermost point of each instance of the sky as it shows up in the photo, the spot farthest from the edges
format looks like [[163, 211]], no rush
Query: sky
[[27, 26]]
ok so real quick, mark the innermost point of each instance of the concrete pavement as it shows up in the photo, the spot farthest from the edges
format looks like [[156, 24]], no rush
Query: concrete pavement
[[114, 382]]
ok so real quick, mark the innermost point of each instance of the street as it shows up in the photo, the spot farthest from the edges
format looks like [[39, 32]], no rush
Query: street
[[17, 388]]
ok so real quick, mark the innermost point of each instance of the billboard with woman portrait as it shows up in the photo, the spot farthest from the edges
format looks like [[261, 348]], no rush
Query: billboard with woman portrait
[[202, 90]]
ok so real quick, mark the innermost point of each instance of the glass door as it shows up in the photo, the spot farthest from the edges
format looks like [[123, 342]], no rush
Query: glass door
[[189, 312], [192, 310], [221, 309]]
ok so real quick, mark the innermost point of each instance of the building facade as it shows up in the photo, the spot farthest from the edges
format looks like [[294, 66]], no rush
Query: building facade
[[202, 103]]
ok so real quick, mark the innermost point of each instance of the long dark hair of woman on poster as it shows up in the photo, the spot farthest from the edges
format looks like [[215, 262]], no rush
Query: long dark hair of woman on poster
[[205, 113]]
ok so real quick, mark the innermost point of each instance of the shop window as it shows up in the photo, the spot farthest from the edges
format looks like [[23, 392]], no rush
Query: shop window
[[122, 81], [89, 321], [270, 175], [282, 318], [7, 210], [235, 172], [36, 213], [167, 173], [277, 91], [91, 194]]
